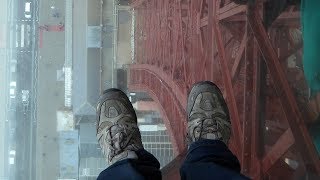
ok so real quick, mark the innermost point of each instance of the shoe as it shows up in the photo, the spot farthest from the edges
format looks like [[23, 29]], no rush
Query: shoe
[[208, 114], [117, 130]]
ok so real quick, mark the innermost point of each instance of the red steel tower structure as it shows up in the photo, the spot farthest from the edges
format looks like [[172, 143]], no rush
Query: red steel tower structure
[[258, 67]]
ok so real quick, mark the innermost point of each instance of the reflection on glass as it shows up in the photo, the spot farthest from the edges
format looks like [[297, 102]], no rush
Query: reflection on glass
[[58, 56]]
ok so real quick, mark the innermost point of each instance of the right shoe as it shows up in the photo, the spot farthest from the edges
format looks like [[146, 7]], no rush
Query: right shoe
[[117, 130], [208, 114]]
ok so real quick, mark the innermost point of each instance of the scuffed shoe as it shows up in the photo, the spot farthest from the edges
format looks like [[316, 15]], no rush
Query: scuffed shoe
[[208, 114], [117, 130]]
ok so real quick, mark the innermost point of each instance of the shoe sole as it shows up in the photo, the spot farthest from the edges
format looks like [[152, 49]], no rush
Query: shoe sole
[[205, 86]]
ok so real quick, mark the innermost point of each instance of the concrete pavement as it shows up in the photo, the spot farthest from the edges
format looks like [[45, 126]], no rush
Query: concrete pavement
[[50, 91]]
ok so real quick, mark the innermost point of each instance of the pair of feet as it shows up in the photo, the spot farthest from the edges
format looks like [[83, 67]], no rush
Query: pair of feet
[[118, 133]]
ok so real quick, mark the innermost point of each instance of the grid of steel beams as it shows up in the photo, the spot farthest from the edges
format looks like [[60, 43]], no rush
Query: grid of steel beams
[[180, 42]]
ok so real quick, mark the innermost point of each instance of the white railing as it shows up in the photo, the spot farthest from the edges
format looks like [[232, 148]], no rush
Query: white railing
[[115, 40], [68, 54], [68, 87], [133, 25]]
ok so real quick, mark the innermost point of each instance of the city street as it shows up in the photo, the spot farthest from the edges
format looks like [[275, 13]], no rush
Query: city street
[[4, 87], [21, 73], [35, 80]]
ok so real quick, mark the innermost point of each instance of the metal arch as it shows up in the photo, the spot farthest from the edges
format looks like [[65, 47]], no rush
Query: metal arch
[[178, 92], [144, 88], [170, 107]]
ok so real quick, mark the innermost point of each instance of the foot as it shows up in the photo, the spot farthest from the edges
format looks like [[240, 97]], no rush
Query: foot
[[117, 129], [208, 114]]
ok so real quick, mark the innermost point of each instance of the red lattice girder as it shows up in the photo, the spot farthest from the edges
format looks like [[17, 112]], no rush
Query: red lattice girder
[[180, 42]]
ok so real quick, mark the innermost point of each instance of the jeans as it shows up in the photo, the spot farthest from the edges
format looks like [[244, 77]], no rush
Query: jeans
[[206, 159]]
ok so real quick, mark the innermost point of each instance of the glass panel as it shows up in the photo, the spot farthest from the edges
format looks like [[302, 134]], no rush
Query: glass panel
[[58, 57]]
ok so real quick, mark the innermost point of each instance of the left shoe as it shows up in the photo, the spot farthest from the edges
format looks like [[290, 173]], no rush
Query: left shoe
[[117, 130]]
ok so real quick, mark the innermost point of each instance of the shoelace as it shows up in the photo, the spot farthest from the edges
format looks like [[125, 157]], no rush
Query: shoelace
[[112, 139], [215, 128]]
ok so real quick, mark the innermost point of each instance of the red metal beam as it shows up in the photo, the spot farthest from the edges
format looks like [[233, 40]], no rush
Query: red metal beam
[[250, 126], [249, 106], [285, 16], [232, 12], [210, 50], [178, 92], [289, 104], [239, 56], [143, 79], [225, 12], [227, 82], [238, 18], [289, 16], [227, 7], [275, 126], [137, 3], [175, 41], [258, 109], [289, 19], [181, 21], [285, 141], [196, 45]]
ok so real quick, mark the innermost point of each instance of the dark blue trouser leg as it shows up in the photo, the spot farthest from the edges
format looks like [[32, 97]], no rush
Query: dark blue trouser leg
[[210, 159], [145, 167], [206, 159]]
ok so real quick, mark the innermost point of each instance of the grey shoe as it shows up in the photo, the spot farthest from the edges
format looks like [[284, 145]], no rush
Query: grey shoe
[[117, 129], [208, 114]]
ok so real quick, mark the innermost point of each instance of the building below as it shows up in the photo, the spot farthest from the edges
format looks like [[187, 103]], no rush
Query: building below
[[156, 140]]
